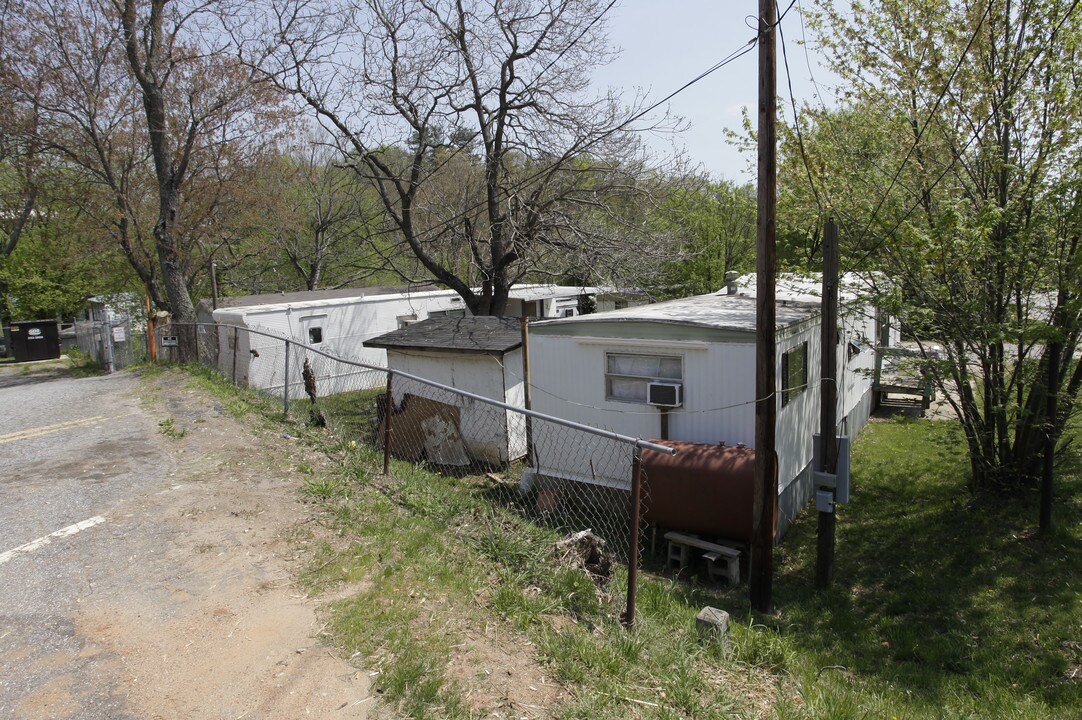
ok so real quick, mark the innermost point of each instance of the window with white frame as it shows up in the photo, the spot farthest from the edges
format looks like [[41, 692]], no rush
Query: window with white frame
[[627, 374]]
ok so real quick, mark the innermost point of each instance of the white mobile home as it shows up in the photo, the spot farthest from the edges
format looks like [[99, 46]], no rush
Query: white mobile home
[[339, 322], [685, 370], [481, 355]]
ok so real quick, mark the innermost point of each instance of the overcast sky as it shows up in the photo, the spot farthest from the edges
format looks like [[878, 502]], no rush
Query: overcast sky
[[666, 44]]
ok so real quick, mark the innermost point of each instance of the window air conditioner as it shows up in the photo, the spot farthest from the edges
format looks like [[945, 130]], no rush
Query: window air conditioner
[[664, 394]]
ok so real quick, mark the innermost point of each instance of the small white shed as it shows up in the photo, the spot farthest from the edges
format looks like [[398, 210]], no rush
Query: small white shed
[[481, 355], [685, 370]]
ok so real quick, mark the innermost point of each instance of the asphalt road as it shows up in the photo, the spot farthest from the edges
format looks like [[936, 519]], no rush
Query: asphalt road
[[74, 452]]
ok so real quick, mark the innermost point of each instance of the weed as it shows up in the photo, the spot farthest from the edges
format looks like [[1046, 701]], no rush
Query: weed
[[168, 427], [323, 487]]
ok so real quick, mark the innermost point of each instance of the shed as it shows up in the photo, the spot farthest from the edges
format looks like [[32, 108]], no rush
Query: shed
[[685, 370], [481, 355], [35, 340]]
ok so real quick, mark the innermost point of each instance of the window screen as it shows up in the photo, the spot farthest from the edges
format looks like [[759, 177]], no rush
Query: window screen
[[627, 375]]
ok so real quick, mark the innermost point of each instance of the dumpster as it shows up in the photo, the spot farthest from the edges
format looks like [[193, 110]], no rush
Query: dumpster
[[35, 340]]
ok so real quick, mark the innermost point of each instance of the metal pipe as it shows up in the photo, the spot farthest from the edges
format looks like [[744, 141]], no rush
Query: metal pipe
[[633, 539], [285, 387], [527, 400], [388, 411]]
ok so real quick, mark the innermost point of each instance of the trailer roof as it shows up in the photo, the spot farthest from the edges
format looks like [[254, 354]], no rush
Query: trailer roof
[[721, 312], [484, 334]]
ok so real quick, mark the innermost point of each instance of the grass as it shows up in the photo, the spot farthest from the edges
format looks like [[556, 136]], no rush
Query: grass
[[944, 605]]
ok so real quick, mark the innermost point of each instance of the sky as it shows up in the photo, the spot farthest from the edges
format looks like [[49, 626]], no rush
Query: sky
[[666, 44]]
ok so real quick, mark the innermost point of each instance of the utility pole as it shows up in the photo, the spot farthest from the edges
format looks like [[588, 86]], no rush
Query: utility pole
[[828, 410], [766, 406]]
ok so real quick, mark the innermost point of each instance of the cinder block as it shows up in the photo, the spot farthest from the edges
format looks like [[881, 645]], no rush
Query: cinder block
[[712, 625]]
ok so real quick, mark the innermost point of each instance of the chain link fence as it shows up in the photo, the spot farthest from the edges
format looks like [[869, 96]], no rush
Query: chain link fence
[[582, 482], [111, 343]]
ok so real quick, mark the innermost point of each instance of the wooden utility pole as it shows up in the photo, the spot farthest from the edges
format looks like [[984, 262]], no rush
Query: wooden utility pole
[[828, 394], [766, 478]]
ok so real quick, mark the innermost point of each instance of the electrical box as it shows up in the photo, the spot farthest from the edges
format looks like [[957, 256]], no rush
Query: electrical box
[[839, 481], [824, 501]]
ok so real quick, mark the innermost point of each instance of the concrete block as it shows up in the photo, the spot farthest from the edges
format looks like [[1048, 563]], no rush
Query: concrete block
[[712, 625]]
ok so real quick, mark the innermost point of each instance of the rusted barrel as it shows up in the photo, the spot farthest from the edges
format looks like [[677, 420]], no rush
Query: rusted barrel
[[703, 489]]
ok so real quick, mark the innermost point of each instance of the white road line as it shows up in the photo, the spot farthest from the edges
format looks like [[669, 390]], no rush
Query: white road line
[[43, 541]]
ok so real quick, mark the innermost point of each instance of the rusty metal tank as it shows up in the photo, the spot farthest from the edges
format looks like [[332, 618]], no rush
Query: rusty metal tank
[[703, 489]]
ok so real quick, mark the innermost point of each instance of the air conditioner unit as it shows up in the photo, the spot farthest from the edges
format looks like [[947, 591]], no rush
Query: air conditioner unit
[[665, 394]]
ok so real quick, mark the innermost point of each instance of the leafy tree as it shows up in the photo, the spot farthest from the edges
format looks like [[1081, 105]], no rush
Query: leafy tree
[[472, 123], [954, 161], [714, 226]]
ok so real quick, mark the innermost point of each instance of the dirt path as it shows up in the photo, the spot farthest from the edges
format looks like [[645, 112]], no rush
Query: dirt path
[[183, 604]]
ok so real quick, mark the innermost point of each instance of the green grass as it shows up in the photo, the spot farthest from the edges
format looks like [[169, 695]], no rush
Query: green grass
[[944, 605]]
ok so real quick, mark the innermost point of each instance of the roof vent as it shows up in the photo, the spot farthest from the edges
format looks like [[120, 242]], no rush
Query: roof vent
[[730, 282]]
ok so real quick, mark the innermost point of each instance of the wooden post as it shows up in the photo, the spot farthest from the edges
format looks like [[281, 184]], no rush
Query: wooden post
[[388, 413], [526, 394], [766, 485], [633, 538], [152, 340], [828, 393], [285, 386]]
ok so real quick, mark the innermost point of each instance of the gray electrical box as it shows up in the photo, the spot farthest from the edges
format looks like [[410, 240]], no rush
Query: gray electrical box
[[824, 501], [839, 481]]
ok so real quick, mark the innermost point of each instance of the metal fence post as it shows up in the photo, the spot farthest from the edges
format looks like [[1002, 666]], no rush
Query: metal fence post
[[285, 387], [388, 412], [633, 538]]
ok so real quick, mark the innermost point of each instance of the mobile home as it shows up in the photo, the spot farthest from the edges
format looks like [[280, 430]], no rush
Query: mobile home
[[340, 322], [685, 370]]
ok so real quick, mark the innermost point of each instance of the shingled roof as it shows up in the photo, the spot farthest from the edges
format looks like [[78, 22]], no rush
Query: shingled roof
[[483, 334]]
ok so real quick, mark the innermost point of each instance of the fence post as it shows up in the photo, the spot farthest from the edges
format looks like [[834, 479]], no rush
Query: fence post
[[526, 394], [633, 538], [388, 412], [285, 387]]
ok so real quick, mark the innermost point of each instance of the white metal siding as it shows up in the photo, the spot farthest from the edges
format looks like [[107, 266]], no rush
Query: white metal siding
[[484, 427], [569, 381]]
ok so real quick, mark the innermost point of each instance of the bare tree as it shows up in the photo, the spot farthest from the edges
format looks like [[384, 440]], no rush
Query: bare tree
[[473, 123], [151, 126]]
